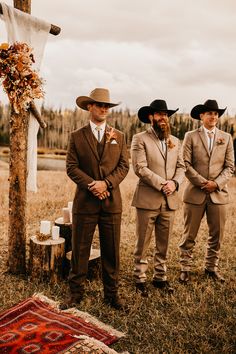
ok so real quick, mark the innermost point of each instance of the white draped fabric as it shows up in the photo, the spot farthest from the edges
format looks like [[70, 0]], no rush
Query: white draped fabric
[[22, 27]]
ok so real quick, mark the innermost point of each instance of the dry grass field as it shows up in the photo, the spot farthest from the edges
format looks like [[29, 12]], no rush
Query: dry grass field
[[197, 318]]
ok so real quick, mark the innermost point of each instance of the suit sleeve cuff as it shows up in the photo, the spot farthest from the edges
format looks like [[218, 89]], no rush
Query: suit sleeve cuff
[[108, 183], [176, 184]]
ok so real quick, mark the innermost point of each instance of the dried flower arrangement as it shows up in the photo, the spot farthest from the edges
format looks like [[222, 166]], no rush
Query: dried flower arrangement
[[21, 83]]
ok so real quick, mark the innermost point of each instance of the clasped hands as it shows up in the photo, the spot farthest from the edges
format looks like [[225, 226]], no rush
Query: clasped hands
[[99, 189], [209, 186], [168, 187]]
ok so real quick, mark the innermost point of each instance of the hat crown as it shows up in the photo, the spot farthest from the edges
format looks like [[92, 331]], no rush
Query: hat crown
[[211, 105], [100, 95], [159, 105]]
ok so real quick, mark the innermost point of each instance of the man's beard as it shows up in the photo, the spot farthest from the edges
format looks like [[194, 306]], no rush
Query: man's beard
[[162, 130]]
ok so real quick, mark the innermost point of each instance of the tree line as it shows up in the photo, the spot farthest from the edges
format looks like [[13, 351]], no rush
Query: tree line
[[61, 122]]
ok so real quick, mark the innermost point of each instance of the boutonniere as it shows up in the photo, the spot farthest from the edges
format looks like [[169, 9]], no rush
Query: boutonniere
[[220, 141], [110, 135], [170, 144]]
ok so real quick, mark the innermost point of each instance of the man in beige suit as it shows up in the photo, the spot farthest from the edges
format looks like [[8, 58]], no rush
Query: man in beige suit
[[157, 161], [97, 162], [209, 160]]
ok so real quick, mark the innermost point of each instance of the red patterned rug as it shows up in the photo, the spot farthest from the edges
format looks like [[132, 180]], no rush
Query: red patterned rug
[[37, 326]]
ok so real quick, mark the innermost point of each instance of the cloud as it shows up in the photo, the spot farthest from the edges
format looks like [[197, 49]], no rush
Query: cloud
[[182, 51]]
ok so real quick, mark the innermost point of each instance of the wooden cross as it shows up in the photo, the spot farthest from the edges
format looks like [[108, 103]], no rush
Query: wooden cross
[[17, 176]]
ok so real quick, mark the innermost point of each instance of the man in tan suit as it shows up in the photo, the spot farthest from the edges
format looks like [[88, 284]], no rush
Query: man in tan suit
[[209, 160], [157, 161], [97, 161]]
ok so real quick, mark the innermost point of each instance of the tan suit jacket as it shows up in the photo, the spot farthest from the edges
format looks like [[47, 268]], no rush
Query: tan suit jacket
[[84, 165], [201, 165], [153, 168]]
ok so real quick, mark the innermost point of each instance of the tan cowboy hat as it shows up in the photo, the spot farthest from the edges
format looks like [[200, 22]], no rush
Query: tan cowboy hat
[[209, 105], [98, 95]]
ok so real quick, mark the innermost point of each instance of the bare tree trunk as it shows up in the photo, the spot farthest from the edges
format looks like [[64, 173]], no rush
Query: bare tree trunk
[[17, 189], [17, 192]]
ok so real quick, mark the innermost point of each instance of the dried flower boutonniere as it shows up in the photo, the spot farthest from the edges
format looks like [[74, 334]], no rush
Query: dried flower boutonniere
[[220, 141], [110, 134], [170, 144]]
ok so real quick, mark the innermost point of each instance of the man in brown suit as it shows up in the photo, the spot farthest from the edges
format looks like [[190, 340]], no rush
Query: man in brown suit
[[209, 160], [157, 161], [97, 161]]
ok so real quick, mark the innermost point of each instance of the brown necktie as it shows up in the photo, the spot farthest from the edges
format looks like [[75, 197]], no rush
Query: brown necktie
[[211, 137]]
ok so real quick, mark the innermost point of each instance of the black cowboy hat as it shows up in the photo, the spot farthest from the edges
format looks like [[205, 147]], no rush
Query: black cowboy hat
[[209, 105], [155, 106]]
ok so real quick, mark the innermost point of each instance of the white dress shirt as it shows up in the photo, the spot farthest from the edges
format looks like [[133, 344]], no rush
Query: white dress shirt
[[101, 130]]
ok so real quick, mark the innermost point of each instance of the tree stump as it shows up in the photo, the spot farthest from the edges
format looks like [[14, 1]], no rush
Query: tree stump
[[94, 266], [65, 232], [46, 259]]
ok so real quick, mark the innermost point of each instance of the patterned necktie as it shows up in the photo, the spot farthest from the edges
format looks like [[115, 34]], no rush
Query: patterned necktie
[[211, 137], [98, 129], [163, 146]]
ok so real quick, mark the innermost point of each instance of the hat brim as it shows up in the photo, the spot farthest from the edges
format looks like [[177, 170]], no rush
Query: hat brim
[[201, 108], [83, 101], [144, 112]]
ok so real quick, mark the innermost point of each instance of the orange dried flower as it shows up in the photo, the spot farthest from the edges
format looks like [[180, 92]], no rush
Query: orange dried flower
[[170, 144], [110, 134], [220, 141], [4, 46]]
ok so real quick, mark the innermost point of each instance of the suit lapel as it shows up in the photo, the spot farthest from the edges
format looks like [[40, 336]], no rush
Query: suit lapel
[[156, 141], [203, 139], [91, 141]]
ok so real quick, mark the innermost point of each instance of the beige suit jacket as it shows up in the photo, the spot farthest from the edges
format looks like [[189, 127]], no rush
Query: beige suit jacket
[[201, 165], [153, 169]]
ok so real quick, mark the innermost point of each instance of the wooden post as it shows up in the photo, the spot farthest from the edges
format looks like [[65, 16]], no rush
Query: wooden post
[[17, 178], [23, 5]]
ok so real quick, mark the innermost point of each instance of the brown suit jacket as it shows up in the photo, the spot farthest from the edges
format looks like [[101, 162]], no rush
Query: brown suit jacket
[[201, 165], [153, 169], [84, 165]]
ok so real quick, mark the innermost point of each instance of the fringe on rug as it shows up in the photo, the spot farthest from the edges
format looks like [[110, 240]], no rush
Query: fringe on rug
[[95, 344], [43, 298], [89, 318], [84, 315]]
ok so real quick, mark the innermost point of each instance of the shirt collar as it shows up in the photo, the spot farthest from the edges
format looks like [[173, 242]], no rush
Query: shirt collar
[[93, 126], [209, 131]]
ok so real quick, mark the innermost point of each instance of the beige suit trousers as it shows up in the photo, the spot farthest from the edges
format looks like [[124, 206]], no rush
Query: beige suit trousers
[[216, 217], [162, 221]]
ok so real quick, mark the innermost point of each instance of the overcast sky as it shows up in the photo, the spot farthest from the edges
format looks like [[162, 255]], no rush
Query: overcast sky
[[183, 51]]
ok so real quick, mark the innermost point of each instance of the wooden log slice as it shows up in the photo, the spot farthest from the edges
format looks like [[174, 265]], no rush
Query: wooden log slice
[[46, 259], [65, 232]]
